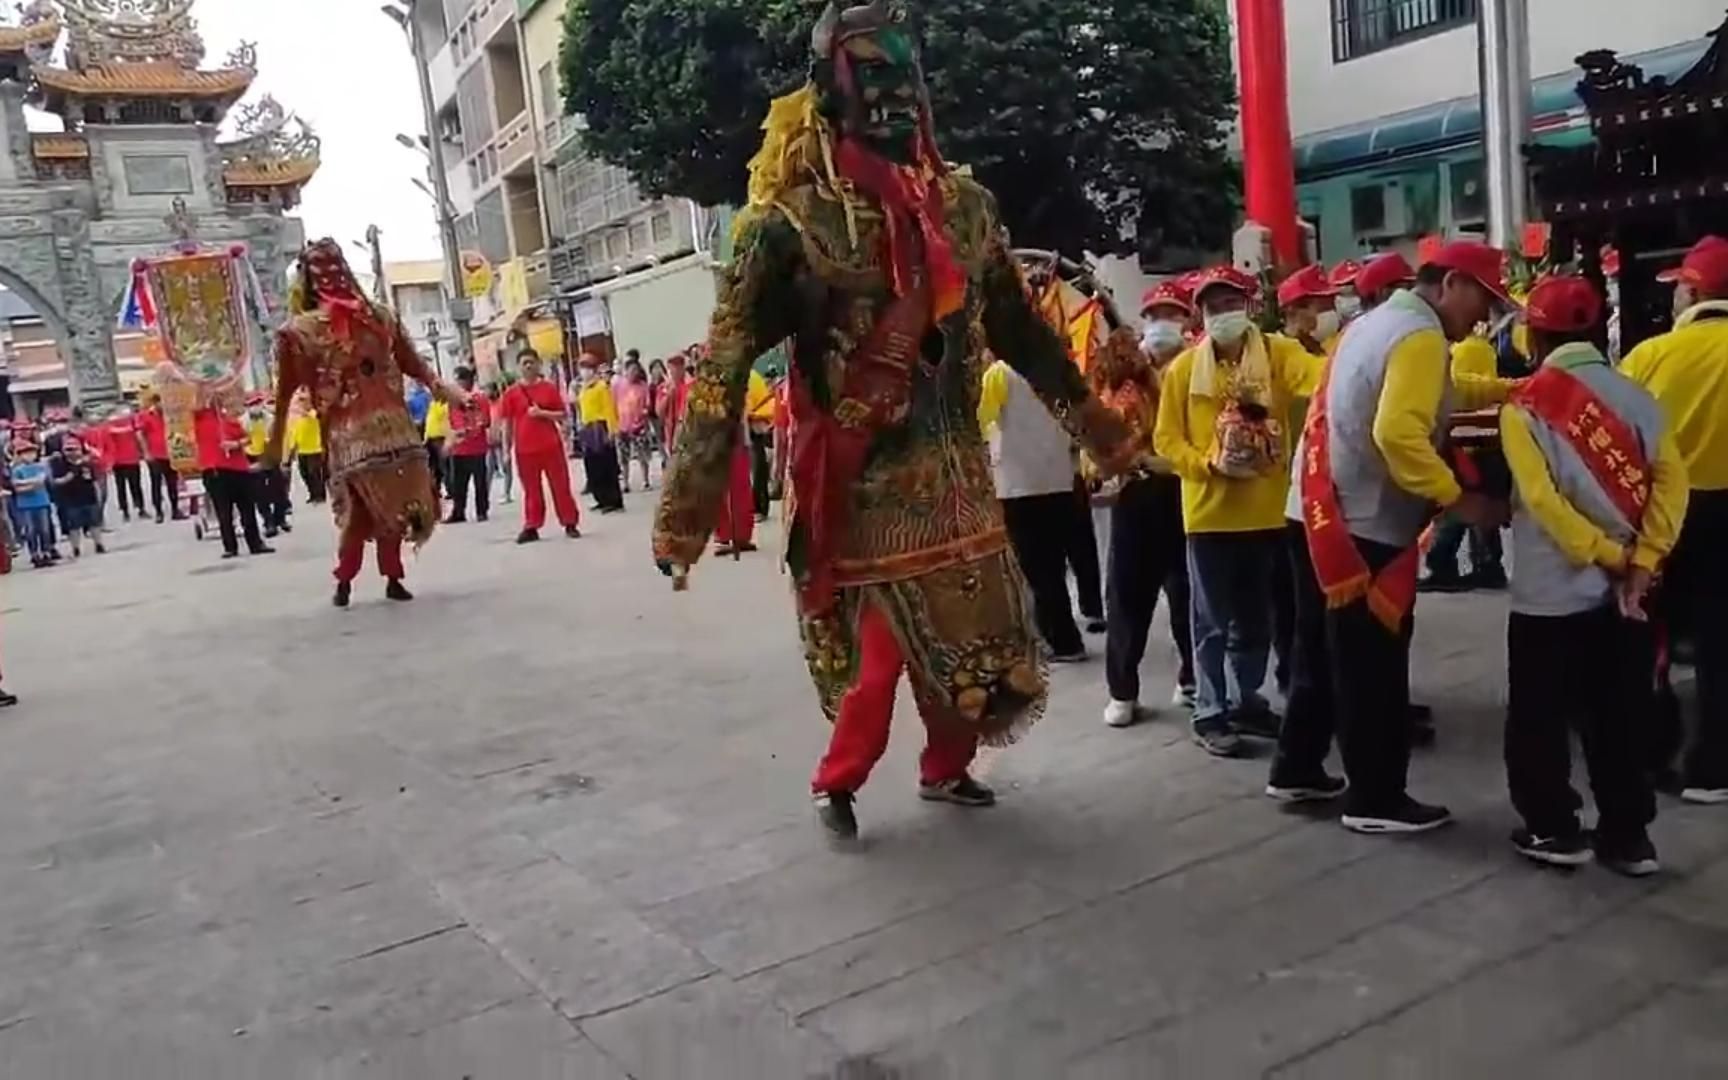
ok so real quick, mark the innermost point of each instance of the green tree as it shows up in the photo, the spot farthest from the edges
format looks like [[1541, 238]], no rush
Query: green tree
[[1097, 123]]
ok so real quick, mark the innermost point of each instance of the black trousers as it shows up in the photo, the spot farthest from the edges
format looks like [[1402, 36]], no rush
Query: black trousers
[[1695, 605], [1306, 736], [1040, 528], [1588, 673], [230, 491], [466, 469], [1146, 545], [1083, 555], [435, 461], [270, 496], [600, 466], [163, 477], [312, 472], [761, 453], [1370, 672], [1283, 622], [129, 481]]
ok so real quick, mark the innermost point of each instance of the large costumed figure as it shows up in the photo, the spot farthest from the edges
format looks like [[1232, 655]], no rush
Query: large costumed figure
[[352, 356], [892, 278]]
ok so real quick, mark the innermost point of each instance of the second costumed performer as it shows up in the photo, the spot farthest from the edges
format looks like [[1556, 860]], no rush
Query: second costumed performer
[[892, 277], [352, 356]]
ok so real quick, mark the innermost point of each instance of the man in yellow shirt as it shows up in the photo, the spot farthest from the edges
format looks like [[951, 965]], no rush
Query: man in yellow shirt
[[1599, 495], [306, 443], [1686, 371], [1221, 413], [436, 431], [760, 407], [1370, 476], [269, 486]]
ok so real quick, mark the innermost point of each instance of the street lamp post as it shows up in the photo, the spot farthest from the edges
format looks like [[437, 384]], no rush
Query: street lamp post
[[433, 336], [461, 309]]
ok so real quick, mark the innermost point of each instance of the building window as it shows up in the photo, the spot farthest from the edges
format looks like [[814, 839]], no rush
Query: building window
[[639, 236], [1360, 27], [616, 244], [663, 227], [550, 107], [158, 174]]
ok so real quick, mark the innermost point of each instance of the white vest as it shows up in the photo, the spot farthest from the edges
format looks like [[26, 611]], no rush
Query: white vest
[[1032, 454]]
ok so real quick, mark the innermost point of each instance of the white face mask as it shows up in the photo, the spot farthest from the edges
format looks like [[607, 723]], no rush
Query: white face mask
[[1327, 324], [1228, 328], [1683, 299], [1161, 335], [1349, 306]]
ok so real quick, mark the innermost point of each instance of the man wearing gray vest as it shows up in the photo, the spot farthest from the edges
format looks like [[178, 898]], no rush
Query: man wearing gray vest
[[1600, 493], [1370, 478]]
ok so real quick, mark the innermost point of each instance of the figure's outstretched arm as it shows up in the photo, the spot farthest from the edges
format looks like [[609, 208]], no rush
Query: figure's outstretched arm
[[755, 309], [289, 377]]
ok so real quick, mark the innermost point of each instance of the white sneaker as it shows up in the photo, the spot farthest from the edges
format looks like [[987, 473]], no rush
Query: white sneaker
[[1121, 714], [1182, 697], [1705, 796]]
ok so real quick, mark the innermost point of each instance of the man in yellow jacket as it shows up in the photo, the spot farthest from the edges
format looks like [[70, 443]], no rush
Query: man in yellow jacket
[[1599, 491], [1369, 478], [1221, 424], [1686, 371]]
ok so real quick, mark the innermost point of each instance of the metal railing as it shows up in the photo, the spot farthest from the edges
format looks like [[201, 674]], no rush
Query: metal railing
[[1360, 27]]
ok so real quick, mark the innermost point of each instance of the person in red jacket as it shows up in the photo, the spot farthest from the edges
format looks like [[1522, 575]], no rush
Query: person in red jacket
[[534, 409], [153, 426], [469, 441], [124, 447], [228, 484]]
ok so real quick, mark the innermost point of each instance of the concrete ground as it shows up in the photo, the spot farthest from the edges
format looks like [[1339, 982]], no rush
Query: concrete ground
[[550, 820]]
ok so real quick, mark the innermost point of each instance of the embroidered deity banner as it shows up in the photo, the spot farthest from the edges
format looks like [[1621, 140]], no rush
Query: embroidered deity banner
[[201, 314]]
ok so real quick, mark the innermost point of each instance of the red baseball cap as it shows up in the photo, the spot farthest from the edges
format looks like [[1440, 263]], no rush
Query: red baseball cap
[[1479, 261], [1225, 277], [1705, 266], [1310, 282], [1382, 272], [1168, 294], [1563, 304], [1344, 275]]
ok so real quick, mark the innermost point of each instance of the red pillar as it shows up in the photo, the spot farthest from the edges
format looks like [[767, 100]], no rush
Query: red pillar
[[1268, 163]]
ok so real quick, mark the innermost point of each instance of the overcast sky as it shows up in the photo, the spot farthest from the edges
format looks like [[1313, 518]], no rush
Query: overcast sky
[[346, 69]]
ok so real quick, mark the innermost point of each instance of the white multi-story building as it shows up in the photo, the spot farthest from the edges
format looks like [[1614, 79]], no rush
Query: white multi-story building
[[1384, 110]]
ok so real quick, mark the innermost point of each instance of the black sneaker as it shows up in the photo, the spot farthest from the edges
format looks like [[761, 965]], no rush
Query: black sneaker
[[1634, 857], [1409, 816], [1318, 788], [395, 590], [230, 554], [572, 532], [1257, 723], [1452, 582], [344, 593], [1568, 849], [481, 518], [1492, 578], [1096, 626], [834, 809], [527, 536], [263, 549], [962, 792], [1218, 741], [7, 700], [456, 519]]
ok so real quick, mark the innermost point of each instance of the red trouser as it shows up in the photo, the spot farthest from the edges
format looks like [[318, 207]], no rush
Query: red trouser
[[738, 513], [351, 548], [860, 735], [550, 465]]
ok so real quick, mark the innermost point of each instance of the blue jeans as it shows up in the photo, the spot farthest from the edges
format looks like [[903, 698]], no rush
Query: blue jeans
[[36, 529], [1231, 580]]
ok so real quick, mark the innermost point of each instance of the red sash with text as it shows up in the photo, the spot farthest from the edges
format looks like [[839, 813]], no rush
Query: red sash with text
[[1608, 445], [1343, 574]]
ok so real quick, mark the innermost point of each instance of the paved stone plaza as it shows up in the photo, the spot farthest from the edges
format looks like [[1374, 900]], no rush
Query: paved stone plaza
[[550, 821]]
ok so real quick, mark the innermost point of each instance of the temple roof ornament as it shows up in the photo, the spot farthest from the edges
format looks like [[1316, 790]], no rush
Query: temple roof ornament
[[136, 49], [273, 148], [38, 29]]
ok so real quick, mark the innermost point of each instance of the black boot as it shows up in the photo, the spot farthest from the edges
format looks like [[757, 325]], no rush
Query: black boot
[[344, 591], [395, 590], [834, 809], [527, 536]]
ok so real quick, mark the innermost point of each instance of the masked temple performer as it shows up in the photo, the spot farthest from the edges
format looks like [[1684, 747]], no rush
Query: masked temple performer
[[351, 355], [892, 276]]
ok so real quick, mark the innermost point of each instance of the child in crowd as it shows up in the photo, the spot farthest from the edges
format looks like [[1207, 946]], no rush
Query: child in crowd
[[34, 504]]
